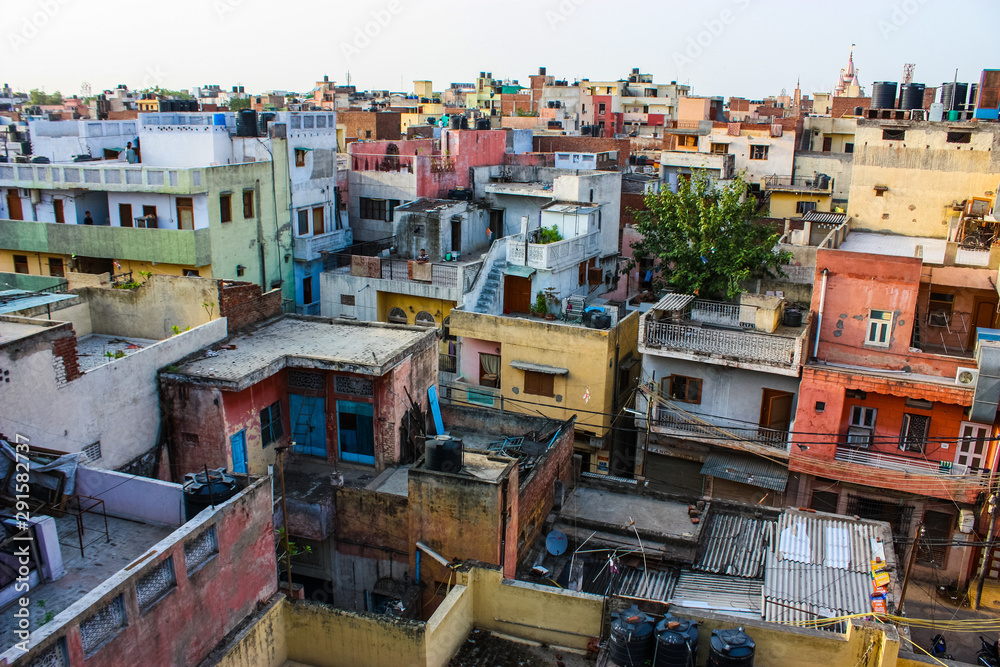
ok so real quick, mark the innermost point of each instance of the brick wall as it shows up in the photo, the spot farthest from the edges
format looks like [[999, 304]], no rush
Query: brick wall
[[844, 106], [536, 495], [556, 144], [66, 363], [243, 304]]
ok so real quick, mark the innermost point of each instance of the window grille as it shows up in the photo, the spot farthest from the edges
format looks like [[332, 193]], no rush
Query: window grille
[[93, 452], [305, 380], [100, 628], [54, 656], [346, 384], [156, 583], [201, 549]]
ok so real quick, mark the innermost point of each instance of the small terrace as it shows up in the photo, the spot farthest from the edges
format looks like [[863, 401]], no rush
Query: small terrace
[[672, 420], [553, 256], [757, 333], [818, 184]]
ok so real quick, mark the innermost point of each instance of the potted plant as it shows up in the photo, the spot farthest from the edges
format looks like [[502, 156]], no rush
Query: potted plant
[[540, 308]]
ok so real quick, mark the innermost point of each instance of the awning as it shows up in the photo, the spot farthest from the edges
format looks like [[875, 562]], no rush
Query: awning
[[518, 270], [745, 469], [540, 368]]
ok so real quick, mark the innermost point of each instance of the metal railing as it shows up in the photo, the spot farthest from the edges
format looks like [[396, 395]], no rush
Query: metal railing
[[818, 183], [121, 278], [725, 314], [743, 345], [447, 363], [909, 465], [718, 432]]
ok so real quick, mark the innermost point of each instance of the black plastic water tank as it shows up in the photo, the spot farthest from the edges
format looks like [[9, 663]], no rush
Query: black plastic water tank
[[465, 123], [792, 318], [483, 124], [456, 122], [676, 642], [263, 120], [631, 642], [443, 454], [731, 648], [200, 492], [601, 321], [246, 123]]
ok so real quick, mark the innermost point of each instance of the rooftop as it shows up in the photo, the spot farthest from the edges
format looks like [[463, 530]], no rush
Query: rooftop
[[12, 329], [365, 348], [534, 189], [895, 245], [99, 349], [14, 300]]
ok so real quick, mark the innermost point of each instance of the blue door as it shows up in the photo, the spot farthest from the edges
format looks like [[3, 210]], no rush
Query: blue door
[[356, 432], [308, 421], [238, 443]]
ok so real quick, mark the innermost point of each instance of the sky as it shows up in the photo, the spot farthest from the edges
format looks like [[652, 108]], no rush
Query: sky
[[748, 48]]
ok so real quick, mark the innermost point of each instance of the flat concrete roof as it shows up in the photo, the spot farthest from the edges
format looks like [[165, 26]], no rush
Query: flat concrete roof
[[653, 517], [94, 350], [365, 348], [10, 331], [896, 246]]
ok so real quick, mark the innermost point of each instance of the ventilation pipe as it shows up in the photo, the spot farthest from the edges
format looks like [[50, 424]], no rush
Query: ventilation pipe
[[819, 314]]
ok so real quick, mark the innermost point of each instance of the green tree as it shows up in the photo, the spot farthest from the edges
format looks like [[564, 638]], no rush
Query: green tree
[[36, 96], [239, 103], [705, 238]]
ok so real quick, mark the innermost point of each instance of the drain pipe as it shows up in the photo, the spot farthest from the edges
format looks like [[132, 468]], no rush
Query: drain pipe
[[819, 315]]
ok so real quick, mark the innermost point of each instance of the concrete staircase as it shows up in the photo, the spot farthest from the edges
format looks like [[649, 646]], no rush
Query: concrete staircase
[[491, 287]]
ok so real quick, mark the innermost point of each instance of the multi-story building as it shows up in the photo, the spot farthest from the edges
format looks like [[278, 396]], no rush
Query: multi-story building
[[895, 417], [915, 177], [827, 147], [633, 104], [720, 387]]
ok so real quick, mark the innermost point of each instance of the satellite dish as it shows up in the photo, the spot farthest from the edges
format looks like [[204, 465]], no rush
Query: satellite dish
[[555, 543]]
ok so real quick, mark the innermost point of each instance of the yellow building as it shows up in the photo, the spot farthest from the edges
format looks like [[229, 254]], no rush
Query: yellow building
[[794, 201], [911, 177], [555, 368]]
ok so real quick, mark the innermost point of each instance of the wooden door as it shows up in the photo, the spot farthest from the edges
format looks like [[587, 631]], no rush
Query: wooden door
[[125, 215], [983, 315], [516, 294], [14, 211], [827, 144], [57, 208], [776, 409], [185, 213]]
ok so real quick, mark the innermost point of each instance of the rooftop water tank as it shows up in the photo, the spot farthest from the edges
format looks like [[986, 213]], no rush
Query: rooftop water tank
[[676, 642], [443, 454], [911, 96], [884, 95], [631, 642], [731, 648], [246, 123], [201, 491]]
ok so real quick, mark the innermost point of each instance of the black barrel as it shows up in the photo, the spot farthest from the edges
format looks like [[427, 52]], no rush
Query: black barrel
[[631, 642], [676, 642], [792, 318], [731, 648]]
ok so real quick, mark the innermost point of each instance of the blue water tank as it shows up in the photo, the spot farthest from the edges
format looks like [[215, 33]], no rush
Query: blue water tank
[[219, 119]]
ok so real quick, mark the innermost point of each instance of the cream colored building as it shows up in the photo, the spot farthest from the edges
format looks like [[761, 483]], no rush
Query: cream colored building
[[911, 177]]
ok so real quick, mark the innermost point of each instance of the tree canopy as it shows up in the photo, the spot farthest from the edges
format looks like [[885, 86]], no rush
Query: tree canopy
[[37, 97], [705, 238], [238, 103]]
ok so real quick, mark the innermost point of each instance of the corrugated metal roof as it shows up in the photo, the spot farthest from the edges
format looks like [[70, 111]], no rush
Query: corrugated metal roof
[[14, 300], [796, 591], [821, 539], [747, 470], [674, 302], [828, 218], [538, 368], [519, 270], [735, 544], [658, 585], [719, 593]]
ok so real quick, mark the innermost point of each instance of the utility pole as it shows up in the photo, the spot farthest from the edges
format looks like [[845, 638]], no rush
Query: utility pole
[[909, 566], [284, 516], [991, 507]]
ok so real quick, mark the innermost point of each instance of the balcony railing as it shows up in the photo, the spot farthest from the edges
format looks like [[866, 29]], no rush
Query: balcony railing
[[111, 175], [308, 248], [813, 183], [739, 345], [445, 275], [554, 256], [718, 431], [724, 314], [910, 465]]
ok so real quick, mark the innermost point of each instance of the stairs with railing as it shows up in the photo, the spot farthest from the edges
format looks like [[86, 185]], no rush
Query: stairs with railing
[[491, 288]]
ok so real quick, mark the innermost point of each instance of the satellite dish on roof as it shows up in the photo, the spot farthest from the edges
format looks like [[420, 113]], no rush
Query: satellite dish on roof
[[555, 543]]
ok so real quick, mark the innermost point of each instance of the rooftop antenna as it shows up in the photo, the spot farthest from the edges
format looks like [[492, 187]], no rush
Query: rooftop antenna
[[908, 72]]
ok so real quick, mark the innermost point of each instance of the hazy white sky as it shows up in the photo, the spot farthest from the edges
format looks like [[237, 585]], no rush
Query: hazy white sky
[[721, 47]]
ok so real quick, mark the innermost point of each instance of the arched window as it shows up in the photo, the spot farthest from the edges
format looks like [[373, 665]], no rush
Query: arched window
[[425, 319], [397, 316]]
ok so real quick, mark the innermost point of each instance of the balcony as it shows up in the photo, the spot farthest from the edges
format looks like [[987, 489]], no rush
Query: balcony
[[164, 246], [723, 163], [738, 347], [309, 248], [911, 475], [112, 175], [819, 184], [718, 431], [554, 256]]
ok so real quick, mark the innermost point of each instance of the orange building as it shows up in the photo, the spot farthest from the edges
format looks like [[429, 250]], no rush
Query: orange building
[[893, 422]]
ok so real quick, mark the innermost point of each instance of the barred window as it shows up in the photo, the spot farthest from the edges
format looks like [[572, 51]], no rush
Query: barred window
[[53, 656], [155, 584], [102, 627], [201, 549]]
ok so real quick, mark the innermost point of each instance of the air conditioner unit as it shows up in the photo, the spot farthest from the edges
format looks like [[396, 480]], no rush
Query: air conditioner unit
[[859, 436], [966, 377]]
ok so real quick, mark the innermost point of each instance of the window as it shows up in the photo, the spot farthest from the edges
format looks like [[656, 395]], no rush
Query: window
[[913, 434], [373, 209], [56, 267], [240, 270], [938, 527], [200, 550], [939, 309], [539, 384], [155, 584], [959, 137], [103, 626], [848, 148], [424, 319], [300, 157], [191, 273], [720, 148], [303, 223], [862, 427], [879, 323], [489, 370], [319, 224], [149, 215], [803, 207], [226, 207], [248, 203], [601, 107], [93, 451], [397, 316], [893, 135], [270, 424], [20, 263], [758, 152], [681, 388], [972, 446], [368, 134], [687, 141]]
